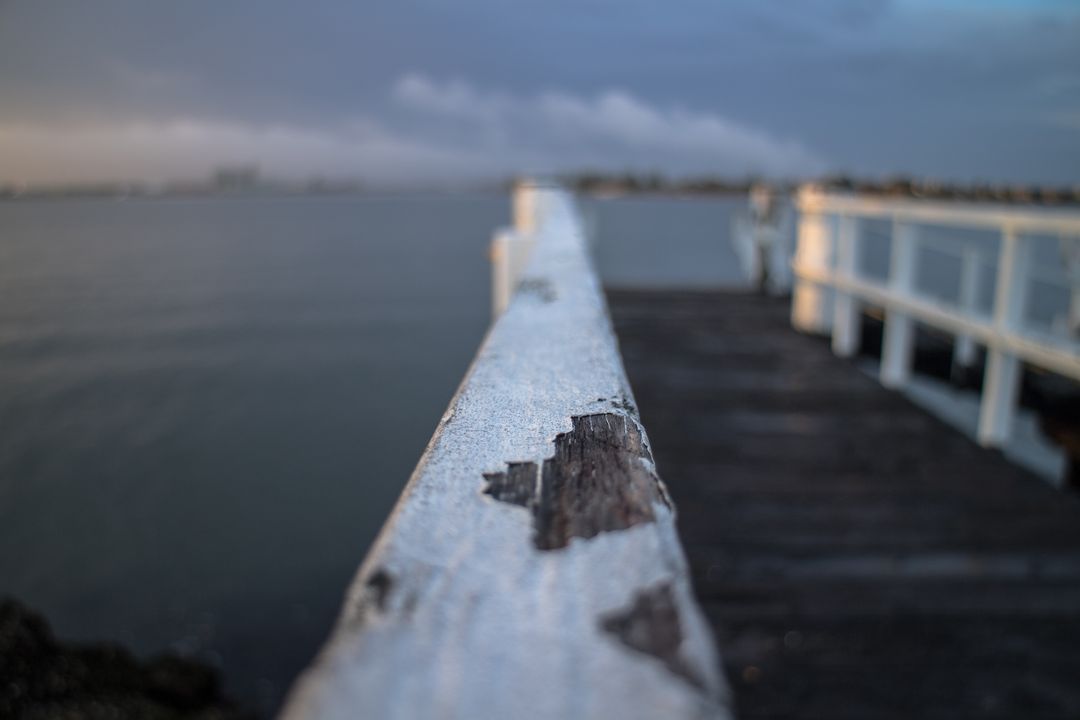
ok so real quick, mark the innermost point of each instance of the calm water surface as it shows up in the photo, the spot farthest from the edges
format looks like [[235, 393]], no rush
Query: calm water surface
[[659, 242], [209, 406]]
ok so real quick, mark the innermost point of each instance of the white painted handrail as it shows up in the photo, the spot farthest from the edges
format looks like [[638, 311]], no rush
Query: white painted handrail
[[974, 215], [531, 568], [829, 290]]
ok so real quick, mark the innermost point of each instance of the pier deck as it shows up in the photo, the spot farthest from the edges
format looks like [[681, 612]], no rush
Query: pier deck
[[855, 556]]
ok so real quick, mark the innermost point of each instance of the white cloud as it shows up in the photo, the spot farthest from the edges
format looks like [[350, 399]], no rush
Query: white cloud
[[612, 129], [455, 98]]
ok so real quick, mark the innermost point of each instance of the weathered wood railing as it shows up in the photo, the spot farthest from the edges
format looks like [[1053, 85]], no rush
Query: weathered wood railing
[[830, 287], [531, 568]]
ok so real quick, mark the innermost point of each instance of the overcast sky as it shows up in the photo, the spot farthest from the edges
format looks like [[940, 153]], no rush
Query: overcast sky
[[407, 90]]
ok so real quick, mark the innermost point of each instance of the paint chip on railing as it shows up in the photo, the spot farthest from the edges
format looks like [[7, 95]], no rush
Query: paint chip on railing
[[652, 626], [600, 479]]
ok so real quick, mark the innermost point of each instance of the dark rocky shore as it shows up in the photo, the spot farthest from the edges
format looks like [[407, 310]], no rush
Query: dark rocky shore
[[42, 679]]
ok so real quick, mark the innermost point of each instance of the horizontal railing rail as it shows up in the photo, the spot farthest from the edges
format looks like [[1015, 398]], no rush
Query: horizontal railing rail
[[932, 212], [531, 568], [830, 289]]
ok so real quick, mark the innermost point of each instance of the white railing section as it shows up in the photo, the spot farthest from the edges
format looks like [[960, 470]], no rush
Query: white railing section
[[462, 609], [830, 288], [762, 240]]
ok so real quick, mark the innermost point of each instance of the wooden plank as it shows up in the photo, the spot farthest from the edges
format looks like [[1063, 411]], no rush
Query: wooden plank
[[856, 557]]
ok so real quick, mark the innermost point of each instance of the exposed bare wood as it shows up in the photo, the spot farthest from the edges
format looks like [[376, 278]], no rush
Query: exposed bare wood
[[599, 480]]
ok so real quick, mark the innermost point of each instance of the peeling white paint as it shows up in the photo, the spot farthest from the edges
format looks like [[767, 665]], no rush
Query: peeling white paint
[[479, 623]]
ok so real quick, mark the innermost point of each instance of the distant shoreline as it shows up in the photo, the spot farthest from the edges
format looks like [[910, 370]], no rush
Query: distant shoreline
[[44, 195], [613, 186], [589, 184]]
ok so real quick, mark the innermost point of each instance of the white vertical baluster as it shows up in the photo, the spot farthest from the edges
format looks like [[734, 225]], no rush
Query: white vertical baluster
[[509, 253], [760, 200], [1070, 251], [847, 320], [899, 342], [756, 271], [998, 405], [1002, 382], [525, 206], [510, 247], [810, 302], [501, 288], [964, 351]]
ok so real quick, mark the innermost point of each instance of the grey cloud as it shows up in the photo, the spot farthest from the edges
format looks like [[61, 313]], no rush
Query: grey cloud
[[609, 129]]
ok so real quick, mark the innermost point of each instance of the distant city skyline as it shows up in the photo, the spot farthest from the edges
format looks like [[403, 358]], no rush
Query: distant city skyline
[[426, 91]]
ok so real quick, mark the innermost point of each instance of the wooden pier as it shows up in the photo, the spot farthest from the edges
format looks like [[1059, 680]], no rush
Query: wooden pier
[[855, 556], [837, 552]]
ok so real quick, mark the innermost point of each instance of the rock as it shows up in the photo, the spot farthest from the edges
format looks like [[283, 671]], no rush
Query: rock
[[41, 678]]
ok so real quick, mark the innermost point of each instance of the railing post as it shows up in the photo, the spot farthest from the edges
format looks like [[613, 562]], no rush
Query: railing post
[[899, 341], [1001, 385], [509, 253], [743, 236], [780, 261], [847, 320], [525, 207], [761, 201], [1070, 250], [964, 350], [810, 302], [510, 247]]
